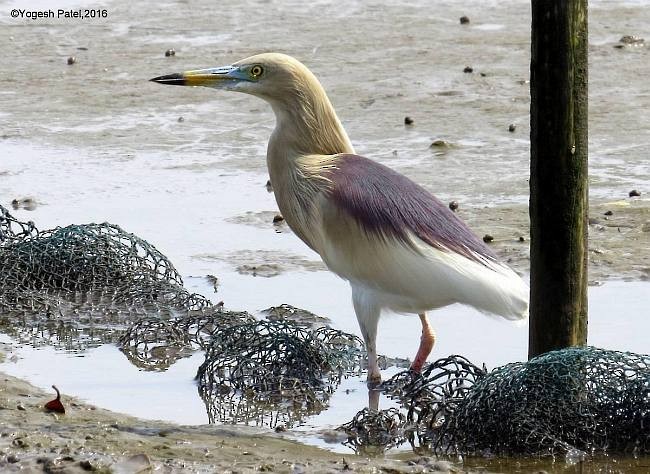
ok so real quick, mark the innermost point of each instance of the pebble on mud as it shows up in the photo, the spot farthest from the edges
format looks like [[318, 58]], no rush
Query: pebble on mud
[[170, 52], [439, 144], [453, 205], [487, 238], [512, 127], [408, 121], [26, 203], [87, 466], [632, 40], [277, 219], [608, 213], [464, 20], [269, 186], [522, 239], [468, 69], [71, 60], [181, 119], [635, 193]]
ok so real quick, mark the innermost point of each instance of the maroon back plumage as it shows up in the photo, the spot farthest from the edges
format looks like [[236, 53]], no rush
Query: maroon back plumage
[[388, 204]]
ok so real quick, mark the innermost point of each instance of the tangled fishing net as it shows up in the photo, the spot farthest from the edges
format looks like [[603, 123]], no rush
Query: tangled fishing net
[[85, 275], [374, 431], [83, 285], [580, 399], [269, 373], [273, 365]]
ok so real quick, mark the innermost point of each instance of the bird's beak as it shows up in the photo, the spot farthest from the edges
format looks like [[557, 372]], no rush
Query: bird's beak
[[218, 77]]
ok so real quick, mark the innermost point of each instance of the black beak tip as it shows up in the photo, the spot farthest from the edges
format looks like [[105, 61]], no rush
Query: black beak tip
[[170, 79]]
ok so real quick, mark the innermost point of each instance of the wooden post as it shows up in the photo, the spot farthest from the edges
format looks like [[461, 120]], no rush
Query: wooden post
[[558, 175]]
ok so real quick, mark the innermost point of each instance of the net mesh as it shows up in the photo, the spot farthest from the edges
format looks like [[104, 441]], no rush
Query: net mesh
[[273, 365], [91, 268], [588, 399], [84, 285], [580, 399]]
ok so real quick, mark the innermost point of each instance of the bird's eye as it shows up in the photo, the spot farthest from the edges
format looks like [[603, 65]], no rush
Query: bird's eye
[[257, 71]]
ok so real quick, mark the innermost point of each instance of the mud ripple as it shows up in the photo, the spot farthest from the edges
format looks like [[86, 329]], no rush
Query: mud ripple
[[265, 263]]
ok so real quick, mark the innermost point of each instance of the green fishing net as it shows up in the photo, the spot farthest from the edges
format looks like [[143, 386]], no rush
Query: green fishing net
[[84, 285], [90, 269], [580, 399], [274, 365]]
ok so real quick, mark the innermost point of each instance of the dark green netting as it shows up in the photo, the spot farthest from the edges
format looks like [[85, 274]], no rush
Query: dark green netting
[[83, 285], [589, 399], [274, 372], [79, 286], [89, 269], [372, 432], [581, 399]]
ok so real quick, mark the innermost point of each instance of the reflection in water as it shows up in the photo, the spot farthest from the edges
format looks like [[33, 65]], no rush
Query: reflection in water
[[61, 334], [427, 400], [274, 372], [155, 344], [372, 432]]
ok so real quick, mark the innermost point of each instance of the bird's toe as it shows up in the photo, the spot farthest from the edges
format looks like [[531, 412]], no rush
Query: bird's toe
[[374, 379]]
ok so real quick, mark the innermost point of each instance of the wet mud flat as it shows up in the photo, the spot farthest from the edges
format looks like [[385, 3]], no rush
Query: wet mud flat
[[87, 438], [619, 236], [91, 439]]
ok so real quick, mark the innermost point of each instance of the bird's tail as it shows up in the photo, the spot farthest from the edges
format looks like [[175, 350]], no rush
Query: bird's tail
[[496, 289]]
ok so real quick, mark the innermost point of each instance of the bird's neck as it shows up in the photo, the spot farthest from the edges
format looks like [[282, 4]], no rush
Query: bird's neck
[[308, 126], [307, 133]]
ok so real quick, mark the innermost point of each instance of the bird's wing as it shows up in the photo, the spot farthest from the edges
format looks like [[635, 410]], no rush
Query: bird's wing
[[390, 236], [389, 205]]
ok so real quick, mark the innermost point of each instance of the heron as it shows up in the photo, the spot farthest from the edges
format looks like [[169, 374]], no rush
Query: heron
[[399, 247]]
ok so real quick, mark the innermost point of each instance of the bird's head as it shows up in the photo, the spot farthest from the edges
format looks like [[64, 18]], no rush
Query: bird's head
[[308, 120], [271, 76]]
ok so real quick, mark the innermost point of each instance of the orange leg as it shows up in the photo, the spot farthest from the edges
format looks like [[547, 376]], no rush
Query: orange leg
[[426, 344]]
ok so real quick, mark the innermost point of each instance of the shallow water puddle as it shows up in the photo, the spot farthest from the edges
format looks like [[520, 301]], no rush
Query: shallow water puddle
[[103, 376]]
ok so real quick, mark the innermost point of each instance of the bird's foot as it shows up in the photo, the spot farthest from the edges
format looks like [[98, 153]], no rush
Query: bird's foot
[[374, 379], [415, 372], [416, 366], [373, 397]]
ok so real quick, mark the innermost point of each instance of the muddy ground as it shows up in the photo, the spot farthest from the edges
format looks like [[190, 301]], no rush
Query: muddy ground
[[619, 236], [90, 439]]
